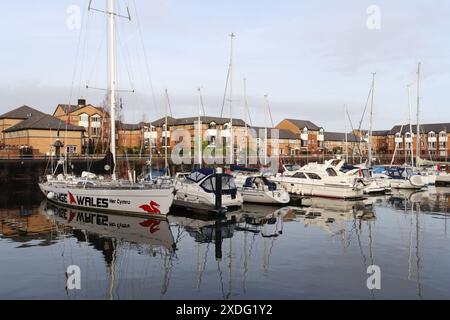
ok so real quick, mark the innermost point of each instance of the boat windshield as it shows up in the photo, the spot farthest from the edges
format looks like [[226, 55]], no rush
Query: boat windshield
[[198, 176], [228, 184], [331, 172]]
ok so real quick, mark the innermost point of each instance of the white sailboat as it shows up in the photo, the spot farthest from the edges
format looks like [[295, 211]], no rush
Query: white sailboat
[[109, 194]]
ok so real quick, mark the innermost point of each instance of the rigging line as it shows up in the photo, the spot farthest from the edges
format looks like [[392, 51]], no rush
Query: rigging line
[[125, 55], [146, 59], [226, 91], [84, 56], [365, 109], [80, 35]]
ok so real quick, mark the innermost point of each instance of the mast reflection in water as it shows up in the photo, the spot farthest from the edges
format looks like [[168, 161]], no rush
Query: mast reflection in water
[[319, 250]]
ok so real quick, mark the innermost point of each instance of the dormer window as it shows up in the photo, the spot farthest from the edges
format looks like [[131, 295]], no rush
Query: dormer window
[[84, 118], [432, 135], [305, 131], [398, 135], [213, 125], [408, 135]]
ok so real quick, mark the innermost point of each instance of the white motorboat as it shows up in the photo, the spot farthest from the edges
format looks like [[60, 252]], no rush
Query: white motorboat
[[258, 189], [320, 180], [107, 193], [371, 185], [404, 178], [197, 191]]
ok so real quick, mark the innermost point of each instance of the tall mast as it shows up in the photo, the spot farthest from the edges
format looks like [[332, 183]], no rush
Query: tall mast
[[410, 125], [166, 133], [266, 111], [232, 36], [418, 114], [199, 133], [346, 134], [246, 123], [371, 121], [112, 78]]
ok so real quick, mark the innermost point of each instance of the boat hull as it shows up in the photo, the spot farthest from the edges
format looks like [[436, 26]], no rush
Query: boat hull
[[443, 180], [265, 197], [139, 202], [325, 190]]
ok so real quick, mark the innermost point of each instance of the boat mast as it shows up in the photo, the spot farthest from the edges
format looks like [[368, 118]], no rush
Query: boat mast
[[371, 121], [200, 138], [266, 111], [410, 125], [246, 123], [346, 134], [112, 78], [418, 114], [232, 36], [166, 133]]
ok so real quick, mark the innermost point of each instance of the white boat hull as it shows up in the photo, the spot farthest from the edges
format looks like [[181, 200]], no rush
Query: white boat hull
[[336, 190], [143, 202], [407, 183], [198, 199], [265, 197], [443, 180]]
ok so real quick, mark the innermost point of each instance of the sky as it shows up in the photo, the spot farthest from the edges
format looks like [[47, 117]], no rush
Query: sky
[[310, 57]]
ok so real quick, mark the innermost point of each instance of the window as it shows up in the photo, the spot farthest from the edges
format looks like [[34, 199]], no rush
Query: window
[[213, 125], [331, 172], [304, 143], [71, 149], [299, 175], [96, 132], [96, 118], [84, 118], [432, 135], [313, 176]]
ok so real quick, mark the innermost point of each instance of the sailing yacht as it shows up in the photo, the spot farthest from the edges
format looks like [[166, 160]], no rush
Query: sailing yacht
[[108, 194]]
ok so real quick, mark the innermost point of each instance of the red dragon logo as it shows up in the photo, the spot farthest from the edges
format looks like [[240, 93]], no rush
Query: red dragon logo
[[72, 199], [152, 208], [153, 225]]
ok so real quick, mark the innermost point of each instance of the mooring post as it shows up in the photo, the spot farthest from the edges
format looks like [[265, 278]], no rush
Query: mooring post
[[218, 240], [218, 207]]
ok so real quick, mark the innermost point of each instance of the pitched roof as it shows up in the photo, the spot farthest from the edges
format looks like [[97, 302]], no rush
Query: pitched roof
[[21, 113], [424, 128], [340, 136], [282, 133], [191, 120], [75, 108], [43, 122], [127, 126], [380, 133], [304, 124]]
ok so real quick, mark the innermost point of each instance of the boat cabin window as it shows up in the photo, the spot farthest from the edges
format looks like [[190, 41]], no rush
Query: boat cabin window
[[313, 176], [331, 172], [299, 175], [197, 176], [228, 184]]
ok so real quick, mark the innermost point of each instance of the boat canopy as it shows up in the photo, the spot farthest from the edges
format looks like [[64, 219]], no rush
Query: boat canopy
[[228, 185], [399, 172], [250, 182], [200, 174]]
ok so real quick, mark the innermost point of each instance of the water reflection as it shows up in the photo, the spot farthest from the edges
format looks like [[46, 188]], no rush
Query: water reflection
[[247, 254]]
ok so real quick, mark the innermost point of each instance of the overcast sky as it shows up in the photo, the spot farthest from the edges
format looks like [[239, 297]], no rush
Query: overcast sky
[[310, 57]]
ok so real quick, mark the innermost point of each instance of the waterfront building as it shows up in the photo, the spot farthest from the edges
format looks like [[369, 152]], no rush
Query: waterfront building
[[95, 121], [433, 141], [310, 135], [14, 117], [335, 144], [42, 134]]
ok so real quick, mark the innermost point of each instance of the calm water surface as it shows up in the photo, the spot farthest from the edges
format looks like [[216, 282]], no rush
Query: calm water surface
[[321, 250]]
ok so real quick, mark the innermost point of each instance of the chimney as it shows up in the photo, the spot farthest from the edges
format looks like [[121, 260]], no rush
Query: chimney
[[81, 102]]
